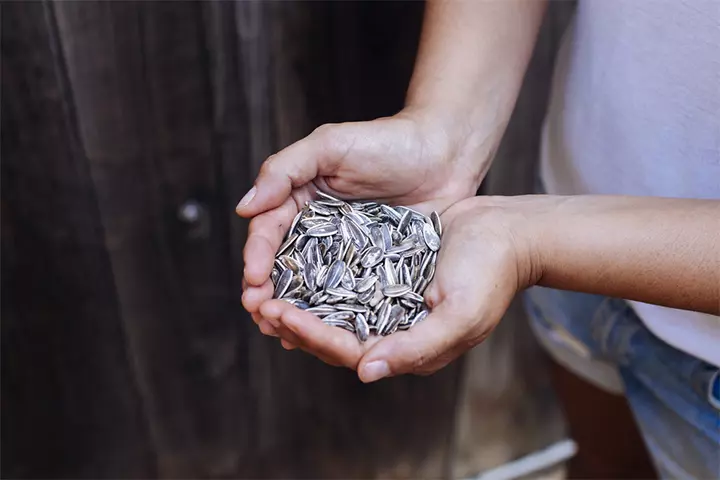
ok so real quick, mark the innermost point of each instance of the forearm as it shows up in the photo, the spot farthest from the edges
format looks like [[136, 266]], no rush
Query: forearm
[[656, 250], [472, 58]]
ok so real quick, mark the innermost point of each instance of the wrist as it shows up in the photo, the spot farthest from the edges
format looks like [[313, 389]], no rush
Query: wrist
[[527, 224], [456, 139]]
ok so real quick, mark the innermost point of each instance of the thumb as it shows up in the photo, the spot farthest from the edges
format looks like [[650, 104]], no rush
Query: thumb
[[428, 346], [318, 154]]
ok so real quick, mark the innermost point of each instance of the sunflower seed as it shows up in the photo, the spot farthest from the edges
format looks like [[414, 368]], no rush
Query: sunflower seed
[[321, 275], [295, 284], [391, 213], [396, 316], [362, 266], [365, 284], [419, 317], [376, 298], [321, 310], [340, 316], [341, 292], [387, 237], [435, 219], [366, 297], [398, 290], [420, 285], [406, 275], [377, 238], [348, 281], [320, 209], [383, 317], [327, 196], [344, 324], [309, 275], [432, 239], [349, 307], [362, 329], [390, 272], [283, 283], [371, 257], [330, 203], [289, 263], [322, 230], [410, 295], [312, 222], [404, 221], [334, 275], [288, 243], [356, 233]]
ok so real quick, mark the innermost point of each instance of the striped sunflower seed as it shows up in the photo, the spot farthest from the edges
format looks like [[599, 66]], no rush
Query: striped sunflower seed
[[360, 266]]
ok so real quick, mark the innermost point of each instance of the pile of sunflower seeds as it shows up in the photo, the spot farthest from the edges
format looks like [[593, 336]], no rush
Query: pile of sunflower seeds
[[361, 266]]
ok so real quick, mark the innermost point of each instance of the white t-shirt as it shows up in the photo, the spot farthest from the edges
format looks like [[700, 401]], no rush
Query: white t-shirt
[[635, 109]]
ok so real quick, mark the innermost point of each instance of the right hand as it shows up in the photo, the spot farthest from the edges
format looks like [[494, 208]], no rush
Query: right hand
[[411, 159]]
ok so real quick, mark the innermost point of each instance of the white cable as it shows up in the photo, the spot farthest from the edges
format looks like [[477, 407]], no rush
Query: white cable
[[537, 461]]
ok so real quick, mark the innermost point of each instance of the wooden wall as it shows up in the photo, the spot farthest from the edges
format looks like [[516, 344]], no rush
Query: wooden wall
[[125, 350]]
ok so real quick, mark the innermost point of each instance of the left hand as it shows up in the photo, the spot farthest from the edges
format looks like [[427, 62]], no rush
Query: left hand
[[488, 255]]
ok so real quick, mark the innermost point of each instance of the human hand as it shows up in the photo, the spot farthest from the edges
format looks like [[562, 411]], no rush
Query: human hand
[[413, 159], [488, 254]]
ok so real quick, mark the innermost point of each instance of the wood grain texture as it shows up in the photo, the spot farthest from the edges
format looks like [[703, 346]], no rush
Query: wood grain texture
[[148, 366], [71, 406], [126, 352]]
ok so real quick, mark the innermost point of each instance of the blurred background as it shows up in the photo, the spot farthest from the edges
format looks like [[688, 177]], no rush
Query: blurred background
[[129, 132]]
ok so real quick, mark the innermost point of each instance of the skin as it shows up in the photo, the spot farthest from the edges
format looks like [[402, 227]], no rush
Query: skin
[[654, 250], [432, 156]]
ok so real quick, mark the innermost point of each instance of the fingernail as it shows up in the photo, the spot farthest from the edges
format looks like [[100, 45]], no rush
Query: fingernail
[[247, 198], [375, 371]]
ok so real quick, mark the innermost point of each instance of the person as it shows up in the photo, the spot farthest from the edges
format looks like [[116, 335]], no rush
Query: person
[[630, 207]]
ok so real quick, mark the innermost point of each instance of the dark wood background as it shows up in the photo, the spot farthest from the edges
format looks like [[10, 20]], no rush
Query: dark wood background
[[125, 349]]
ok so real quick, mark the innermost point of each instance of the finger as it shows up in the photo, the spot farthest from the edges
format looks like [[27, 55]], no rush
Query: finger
[[265, 236], [292, 346], [324, 359], [267, 329], [253, 297], [317, 338], [272, 316], [318, 154], [284, 332], [428, 346], [288, 345]]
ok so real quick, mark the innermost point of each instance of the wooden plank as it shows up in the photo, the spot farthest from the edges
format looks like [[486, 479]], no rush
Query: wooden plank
[[70, 404], [173, 103], [140, 77]]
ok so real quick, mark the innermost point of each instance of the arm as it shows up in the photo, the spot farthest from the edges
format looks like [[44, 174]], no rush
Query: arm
[[654, 250], [434, 153], [470, 66]]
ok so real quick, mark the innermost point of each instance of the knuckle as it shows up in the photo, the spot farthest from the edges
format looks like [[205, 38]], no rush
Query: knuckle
[[268, 167], [325, 130], [328, 137]]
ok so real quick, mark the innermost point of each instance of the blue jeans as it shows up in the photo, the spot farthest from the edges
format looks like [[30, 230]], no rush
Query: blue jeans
[[675, 397]]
